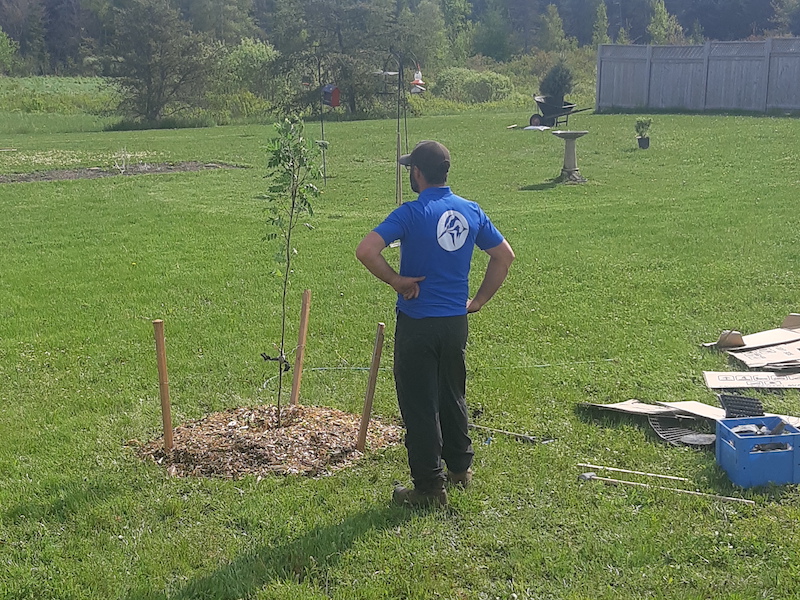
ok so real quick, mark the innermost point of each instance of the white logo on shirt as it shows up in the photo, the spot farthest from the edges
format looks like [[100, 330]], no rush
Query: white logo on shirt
[[452, 230]]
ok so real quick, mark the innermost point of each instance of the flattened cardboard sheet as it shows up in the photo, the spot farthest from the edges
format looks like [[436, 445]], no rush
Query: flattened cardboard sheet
[[789, 331], [717, 380], [634, 407], [769, 355], [697, 409]]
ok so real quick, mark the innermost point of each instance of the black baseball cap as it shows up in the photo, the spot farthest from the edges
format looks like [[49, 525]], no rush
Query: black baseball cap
[[428, 156]]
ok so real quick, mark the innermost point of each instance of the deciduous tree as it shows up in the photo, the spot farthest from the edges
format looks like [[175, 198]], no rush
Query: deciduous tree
[[492, 36], [8, 53], [458, 26], [226, 20], [163, 67], [293, 165]]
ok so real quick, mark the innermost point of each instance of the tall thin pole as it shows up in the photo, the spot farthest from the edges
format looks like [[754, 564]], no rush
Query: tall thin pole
[[398, 194], [398, 171], [322, 121]]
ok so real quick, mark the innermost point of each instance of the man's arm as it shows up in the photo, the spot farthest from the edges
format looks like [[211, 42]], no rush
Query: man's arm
[[369, 253], [500, 259]]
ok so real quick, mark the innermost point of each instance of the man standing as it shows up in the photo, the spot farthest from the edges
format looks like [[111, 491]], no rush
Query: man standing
[[438, 233]]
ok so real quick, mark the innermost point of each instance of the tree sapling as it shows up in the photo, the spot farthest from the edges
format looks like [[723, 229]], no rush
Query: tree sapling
[[293, 166]]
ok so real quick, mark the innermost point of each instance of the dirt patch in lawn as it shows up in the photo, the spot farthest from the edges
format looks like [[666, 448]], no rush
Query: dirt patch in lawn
[[312, 440], [97, 172]]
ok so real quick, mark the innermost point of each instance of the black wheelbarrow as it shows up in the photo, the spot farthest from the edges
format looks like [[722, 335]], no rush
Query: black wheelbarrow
[[552, 114]]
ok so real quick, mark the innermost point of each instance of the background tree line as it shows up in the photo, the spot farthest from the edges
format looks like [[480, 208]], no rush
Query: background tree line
[[231, 56]]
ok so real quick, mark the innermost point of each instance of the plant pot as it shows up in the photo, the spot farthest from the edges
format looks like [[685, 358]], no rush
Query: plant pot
[[644, 142]]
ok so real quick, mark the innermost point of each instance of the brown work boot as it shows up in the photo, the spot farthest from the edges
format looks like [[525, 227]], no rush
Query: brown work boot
[[416, 499], [460, 479]]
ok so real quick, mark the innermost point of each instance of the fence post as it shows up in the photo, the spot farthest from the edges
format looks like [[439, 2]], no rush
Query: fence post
[[706, 60], [597, 87], [767, 60], [648, 68]]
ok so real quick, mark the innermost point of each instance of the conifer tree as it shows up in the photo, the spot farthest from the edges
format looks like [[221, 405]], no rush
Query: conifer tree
[[664, 27], [551, 35], [600, 29]]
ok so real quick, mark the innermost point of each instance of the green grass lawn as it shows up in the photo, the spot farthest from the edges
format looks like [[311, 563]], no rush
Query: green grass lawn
[[617, 282]]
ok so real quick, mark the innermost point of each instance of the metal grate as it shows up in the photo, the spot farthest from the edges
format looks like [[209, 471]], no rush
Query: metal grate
[[670, 430], [740, 406]]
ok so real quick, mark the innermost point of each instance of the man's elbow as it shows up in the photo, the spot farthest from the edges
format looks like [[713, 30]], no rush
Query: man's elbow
[[504, 255], [364, 251]]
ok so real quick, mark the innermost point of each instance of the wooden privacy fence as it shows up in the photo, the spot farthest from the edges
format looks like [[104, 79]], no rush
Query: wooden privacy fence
[[751, 76]]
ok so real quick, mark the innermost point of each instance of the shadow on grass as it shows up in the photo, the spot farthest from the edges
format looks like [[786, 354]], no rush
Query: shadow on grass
[[296, 560], [538, 187], [60, 501]]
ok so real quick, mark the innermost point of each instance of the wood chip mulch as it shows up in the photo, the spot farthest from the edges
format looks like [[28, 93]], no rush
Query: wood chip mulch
[[312, 440]]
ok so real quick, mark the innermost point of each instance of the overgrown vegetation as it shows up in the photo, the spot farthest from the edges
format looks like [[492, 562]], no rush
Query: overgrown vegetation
[[63, 95], [251, 60]]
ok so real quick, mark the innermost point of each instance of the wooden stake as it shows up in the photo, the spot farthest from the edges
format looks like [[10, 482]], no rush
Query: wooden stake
[[163, 383], [301, 348], [373, 377]]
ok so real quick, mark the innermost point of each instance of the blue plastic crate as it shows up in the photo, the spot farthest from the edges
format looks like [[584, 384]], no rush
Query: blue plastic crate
[[745, 465]]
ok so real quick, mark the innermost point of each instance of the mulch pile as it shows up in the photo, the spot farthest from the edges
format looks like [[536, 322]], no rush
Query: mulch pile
[[312, 440], [97, 172]]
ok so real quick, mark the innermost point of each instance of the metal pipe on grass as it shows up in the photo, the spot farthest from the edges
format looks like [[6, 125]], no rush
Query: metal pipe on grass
[[672, 477], [519, 436], [610, 481]]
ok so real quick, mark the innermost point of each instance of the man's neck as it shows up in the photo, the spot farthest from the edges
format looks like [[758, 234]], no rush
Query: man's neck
[[428, 186]]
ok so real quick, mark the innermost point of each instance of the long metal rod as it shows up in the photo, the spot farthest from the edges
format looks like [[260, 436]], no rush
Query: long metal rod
[[520, 436], [672, 477], [610, 481], [398, 168], [322, 122]]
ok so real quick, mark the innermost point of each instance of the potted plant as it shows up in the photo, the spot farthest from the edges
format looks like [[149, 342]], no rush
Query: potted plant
[[642, 130]]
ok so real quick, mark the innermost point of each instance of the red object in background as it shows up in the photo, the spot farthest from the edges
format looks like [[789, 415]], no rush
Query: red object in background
[[330, 95]]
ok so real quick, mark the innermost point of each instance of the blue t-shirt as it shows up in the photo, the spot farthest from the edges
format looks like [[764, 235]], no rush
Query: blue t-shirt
[[437, 234]]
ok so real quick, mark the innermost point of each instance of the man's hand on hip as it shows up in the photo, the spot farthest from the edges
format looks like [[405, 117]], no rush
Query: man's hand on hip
[[473, 307], [408, 287]]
